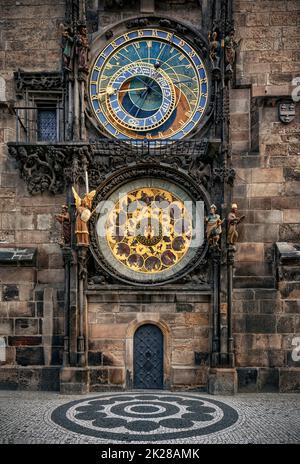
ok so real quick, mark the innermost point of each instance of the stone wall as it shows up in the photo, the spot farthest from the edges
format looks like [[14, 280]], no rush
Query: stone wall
[[183, 317], [267, 162], [185, 10], [269, 52], [30, 40], [267, 189]]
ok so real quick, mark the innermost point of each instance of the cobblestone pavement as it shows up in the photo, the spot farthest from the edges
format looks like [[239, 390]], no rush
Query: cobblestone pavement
[[148, 417]]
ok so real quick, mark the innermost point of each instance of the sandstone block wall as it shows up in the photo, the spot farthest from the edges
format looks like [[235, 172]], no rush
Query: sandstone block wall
[[184, 318], [30, 40], [266, 156]]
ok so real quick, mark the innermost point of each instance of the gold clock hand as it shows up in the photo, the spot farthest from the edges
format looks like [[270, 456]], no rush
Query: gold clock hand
[[132, 90], [111, 91]]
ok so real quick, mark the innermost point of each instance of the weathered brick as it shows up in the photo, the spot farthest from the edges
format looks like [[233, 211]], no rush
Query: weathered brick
[[259, 233], [289, 232], [265, 189], [247, 380], [10, 292], [286, 324], [51, 276], [268, 380], [102, 330], [289, 380], [283, 19], [291, 215], [44, 221], [24, 221], [250, 252], [291, 43], [264, 175], [21, 308], [29, 356], [24, 340], [260, 323], [270, 306], [6, 326], [291, 306], [26, 326], [258, 44], [273, 216]]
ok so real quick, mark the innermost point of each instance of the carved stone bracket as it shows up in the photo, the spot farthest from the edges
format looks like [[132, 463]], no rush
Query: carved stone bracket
[[48, 167], [52, 167], [221, 174]]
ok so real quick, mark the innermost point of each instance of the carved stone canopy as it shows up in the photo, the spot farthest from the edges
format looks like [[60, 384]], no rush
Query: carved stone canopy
[[52, 167], [37, 81]]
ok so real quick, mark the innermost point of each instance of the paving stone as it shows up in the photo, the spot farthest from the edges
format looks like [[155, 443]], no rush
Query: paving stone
[[27, 417]]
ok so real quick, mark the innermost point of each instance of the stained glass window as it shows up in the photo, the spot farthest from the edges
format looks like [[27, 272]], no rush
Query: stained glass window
[[46, 125]]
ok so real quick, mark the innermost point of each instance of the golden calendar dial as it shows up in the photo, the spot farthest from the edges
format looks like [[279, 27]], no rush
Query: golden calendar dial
[[149, 230]]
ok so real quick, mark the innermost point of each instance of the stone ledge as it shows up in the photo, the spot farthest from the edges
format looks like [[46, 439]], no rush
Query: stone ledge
[[268, 380], [287, 253], [222, 381], [289, 380], [30, 378], [74, 380]]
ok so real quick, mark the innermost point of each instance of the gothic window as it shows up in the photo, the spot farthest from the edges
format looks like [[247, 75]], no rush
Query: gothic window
[[47, 127]]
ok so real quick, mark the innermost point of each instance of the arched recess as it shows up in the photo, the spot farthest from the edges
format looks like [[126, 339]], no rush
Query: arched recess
[[129, 355]]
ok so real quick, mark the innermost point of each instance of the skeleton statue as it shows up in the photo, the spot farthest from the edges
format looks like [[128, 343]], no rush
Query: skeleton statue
[[214, 48]]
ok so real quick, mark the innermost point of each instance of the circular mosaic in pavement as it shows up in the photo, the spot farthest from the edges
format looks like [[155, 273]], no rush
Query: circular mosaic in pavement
[[144, 417]]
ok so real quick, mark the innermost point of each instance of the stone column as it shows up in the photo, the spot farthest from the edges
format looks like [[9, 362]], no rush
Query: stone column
[[67, 257], [230, 264], [216, 256], [82, 274]]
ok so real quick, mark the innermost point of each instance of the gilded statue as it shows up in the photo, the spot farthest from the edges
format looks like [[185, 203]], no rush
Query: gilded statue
[[83, 214], [232, 223], [213, 226]]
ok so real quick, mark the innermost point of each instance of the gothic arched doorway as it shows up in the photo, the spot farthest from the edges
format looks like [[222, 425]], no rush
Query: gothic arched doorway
[[148, 357]]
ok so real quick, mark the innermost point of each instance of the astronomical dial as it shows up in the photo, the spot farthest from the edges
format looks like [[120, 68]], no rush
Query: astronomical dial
[[149, 84]]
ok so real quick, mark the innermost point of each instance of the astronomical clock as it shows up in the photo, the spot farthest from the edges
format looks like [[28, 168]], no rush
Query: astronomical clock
[[151, 86], [148, 83]]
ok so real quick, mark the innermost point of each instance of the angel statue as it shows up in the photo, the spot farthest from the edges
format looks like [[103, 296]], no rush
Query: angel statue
[[213, 226], [83, 214]]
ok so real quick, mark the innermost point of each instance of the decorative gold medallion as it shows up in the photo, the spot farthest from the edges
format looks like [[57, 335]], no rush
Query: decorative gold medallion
[[149, 230]]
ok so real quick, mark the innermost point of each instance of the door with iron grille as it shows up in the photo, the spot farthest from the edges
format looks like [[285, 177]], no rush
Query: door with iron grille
[[148, 357]]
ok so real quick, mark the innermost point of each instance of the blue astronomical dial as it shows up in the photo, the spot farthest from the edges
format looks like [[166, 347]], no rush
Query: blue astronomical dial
[[150, 84]]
